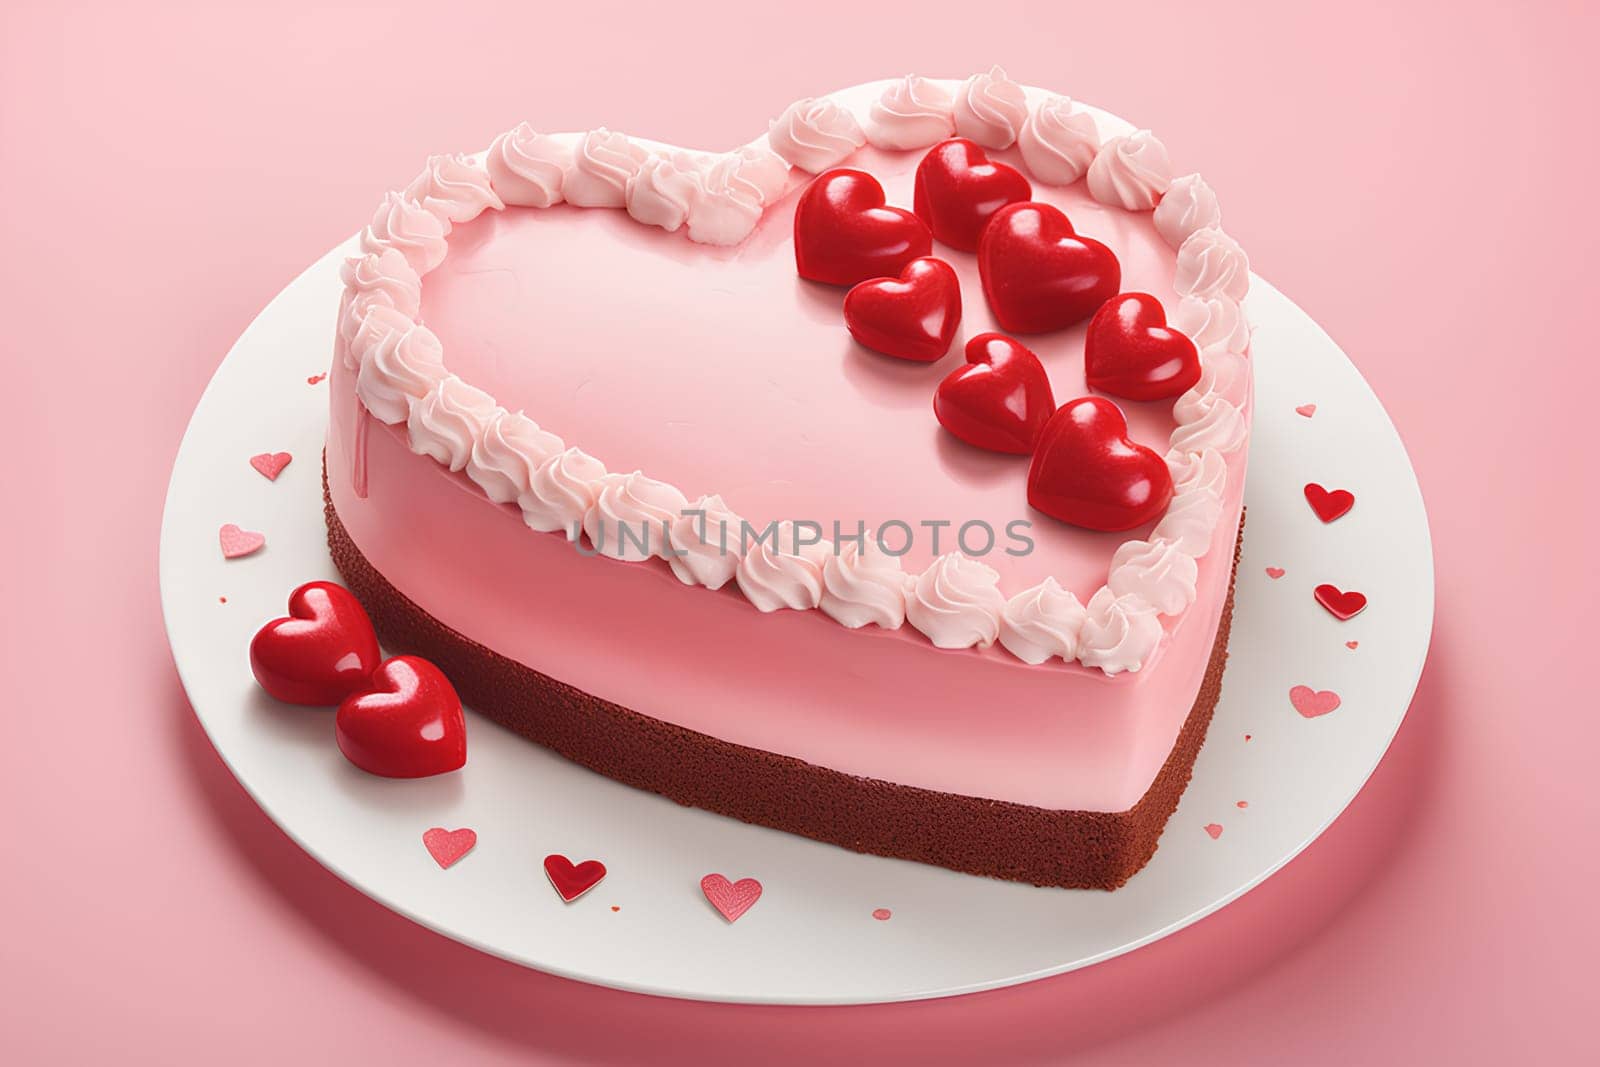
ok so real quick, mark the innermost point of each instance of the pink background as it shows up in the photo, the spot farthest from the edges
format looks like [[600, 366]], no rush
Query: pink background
[[1419, 180]]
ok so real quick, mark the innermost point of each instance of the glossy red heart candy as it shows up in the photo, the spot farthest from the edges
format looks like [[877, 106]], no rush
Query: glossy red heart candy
[[999, 399], [1038, 275], [913, 316], [958, 190], [844, 233], [572, 880], [1340, 604], [321, 652], [1131, 352], [1087, 472], [1329, 504], [407, 723]]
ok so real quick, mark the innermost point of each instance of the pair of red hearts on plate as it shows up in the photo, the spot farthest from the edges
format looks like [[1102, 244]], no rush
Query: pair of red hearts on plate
[[399, 718], [1038, 275]]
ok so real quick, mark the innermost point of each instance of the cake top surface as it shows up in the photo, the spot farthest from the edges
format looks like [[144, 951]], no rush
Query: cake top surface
[[718, 370]]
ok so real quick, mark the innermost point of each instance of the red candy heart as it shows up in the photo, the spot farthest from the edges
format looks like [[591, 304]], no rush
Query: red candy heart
[[958, 190], [573, 880], [999, 399], [1086, 472], [1038, 275], [406, 724], [1340, 605], [321, 653], [844, 233], [1130, 351], [1329, 505], [913, 316], [732, 899]]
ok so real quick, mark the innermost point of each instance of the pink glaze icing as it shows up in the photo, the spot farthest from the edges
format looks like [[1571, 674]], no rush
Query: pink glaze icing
[[729, 375]]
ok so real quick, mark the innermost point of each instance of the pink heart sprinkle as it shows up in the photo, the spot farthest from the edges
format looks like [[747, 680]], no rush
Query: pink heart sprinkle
[[271, 464], [1311, 702], [1352, 644], [881, 913], [732, 899], [237, 542], [1214, 829], [1307, 410], [316, 378], [1241, 803], [1274, 573], [447, 846]]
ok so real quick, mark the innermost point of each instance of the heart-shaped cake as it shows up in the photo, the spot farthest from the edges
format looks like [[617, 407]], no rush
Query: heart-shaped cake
[[603, 448]]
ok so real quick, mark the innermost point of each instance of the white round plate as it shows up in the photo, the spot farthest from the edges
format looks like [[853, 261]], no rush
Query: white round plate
[[812, 937]]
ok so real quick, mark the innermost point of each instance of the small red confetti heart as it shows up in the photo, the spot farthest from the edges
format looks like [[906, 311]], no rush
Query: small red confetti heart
[[881, 913], [1241, 803], [1340, 605], [315, 378], [1247, 737], [1274, 573], [237, 542], [1307, 410], [1214, 829], [271, 464], [732, 899], [1352, 644], [448, 846], [1311, 702], [573, 880], [1329, 504]]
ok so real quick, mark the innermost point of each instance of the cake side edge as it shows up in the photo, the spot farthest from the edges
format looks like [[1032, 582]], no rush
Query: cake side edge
[[997, 839]]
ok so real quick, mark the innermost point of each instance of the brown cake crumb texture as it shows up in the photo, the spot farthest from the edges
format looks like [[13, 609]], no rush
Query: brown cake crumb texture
[[1015, 842]]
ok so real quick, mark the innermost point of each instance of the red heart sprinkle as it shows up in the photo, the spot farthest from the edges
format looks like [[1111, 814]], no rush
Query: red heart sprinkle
[[1311, 702], [573, 880], [1340, 605], [732, 899], [448, 846], [999, 399], [1130, 351], [844, 233], [1329, 504], [913, 316], [1275, 573], [238, 542], [1038, 274], [406, 724], [320, 653], [1307, 410], [881, 914], [271, 464], [1214, 829], [1087, 472], [958, 190], [1352, 645], [316, 378]]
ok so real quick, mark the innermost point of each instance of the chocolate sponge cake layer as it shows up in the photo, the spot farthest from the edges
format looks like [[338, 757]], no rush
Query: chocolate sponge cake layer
[[1016, 842]]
